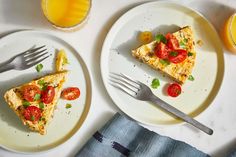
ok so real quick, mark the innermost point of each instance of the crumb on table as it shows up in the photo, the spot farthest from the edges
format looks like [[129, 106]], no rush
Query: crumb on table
[[200, 42]]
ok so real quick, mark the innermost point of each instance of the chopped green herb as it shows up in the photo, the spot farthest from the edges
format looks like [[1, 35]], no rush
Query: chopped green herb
[[44, 87], [191, 78], [161, 38], [185, 40], [41, 82], [68, 106], [42, 119], [26, 103], [39, 67], [164, 62], [32, 118], [155, 83], [182, 44], [41, 105], [173, 53], [190, 54], [37, 97]]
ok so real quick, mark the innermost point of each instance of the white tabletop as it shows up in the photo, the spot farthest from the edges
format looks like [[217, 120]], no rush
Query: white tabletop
[[221, 115]]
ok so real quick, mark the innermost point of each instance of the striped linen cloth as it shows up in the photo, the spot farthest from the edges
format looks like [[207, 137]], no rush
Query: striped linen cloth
[[122, 137]]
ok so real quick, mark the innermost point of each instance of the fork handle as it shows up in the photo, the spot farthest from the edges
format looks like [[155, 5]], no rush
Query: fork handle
[[6, 67], [165, 106]]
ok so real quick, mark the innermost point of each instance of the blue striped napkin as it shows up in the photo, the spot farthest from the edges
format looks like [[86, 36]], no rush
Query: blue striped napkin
[[122, 137], [233, 154]]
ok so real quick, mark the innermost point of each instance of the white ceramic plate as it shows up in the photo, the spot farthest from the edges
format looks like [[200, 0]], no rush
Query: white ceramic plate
[[162, 17], [66, 122]]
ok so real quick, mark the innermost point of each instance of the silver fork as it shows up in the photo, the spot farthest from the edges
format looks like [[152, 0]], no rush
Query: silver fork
[[140, 91], [25, 59]]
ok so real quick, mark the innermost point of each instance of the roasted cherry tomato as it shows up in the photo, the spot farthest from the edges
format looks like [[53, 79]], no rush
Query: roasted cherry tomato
[[29, 92], [32, 113], [172, 42], [48, 95], [70, 93], [177, 56], [174, 90], [162, 50]]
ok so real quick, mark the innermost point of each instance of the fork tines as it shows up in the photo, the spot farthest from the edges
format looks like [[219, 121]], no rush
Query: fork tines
[[124, 83], [36, 55]]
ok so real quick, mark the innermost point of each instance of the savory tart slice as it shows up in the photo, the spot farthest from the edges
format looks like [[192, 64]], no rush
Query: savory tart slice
[[172, 54], [34, 102]]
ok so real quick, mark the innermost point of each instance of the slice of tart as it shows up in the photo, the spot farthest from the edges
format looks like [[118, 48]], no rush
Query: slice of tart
[[174, 57], [34, 102]]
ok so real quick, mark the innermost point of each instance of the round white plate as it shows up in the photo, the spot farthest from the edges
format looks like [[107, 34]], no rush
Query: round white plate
[[66, 122], [162, 17]]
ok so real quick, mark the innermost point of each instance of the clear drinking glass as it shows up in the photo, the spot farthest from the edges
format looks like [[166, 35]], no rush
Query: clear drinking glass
[[66, 15]]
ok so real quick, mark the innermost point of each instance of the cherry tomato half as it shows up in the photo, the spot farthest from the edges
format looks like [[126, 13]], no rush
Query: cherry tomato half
[[172, 42], [174, 90], [32, 113], [48, 95], [161, 51], [70, 93], [29, 91], [177, 56]]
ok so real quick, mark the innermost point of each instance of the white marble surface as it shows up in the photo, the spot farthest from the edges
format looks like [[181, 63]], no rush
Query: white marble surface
[[221, 115]]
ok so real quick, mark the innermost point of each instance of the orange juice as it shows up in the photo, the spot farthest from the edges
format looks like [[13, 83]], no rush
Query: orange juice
[[229, 33], [66, 13]]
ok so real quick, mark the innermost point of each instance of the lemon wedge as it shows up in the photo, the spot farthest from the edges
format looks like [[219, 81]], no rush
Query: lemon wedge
[[61, 60]]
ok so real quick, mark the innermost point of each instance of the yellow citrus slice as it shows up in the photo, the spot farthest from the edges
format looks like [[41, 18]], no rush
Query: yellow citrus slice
[[233, 28], [145, 37], [229, 33]]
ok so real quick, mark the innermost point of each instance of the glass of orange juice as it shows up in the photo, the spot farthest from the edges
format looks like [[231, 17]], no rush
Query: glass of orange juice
[[67, 15], [229, 33]]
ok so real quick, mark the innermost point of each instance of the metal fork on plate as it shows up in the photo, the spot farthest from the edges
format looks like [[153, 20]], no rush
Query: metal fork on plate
[[140, 91], [25, 59]]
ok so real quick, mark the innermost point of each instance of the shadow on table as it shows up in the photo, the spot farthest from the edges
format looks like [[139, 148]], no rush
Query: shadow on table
[[10, 32], [23, 12], [216, 13], [226, 149]]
